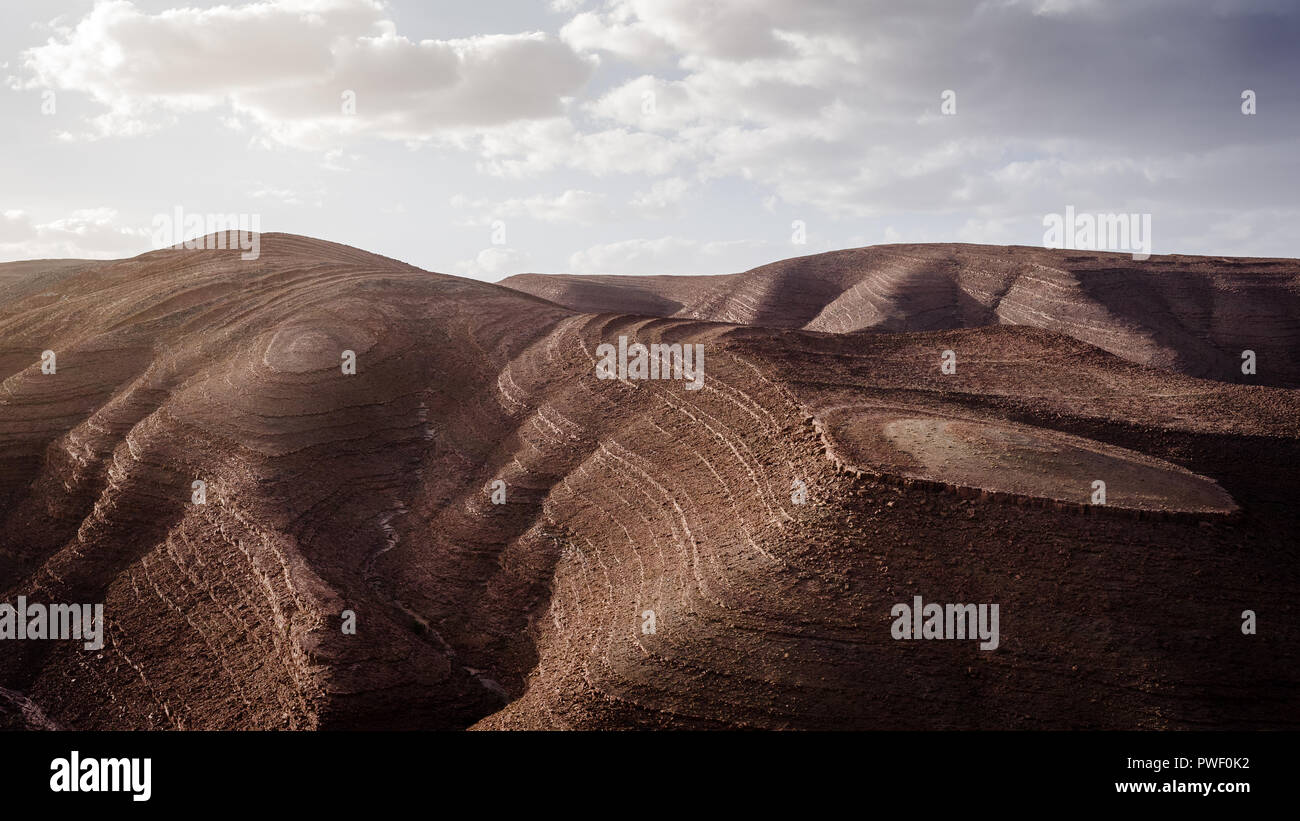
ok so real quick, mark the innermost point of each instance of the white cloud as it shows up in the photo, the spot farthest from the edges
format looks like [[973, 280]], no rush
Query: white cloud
[[287, 196], [572, 206], [494, 263], [575, 206], [669, 255], [648, 103], [662, 199], [91, 233], [531, 148], [834, 106], [646, 30], [821, 110], [289, 65], [591, 31]]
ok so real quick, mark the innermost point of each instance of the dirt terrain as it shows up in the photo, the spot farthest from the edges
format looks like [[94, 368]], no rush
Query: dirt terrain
[[726, 557], [1194, 315]]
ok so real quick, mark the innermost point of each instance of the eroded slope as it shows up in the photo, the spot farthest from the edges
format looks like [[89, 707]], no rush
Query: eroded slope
[[628, 504], [1193, 315]]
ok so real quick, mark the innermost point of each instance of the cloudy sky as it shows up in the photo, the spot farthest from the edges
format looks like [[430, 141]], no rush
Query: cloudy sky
[[646, 136]]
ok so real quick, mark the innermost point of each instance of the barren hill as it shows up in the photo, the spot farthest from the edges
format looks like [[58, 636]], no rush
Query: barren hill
[[652, 564], [1194, 315]]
